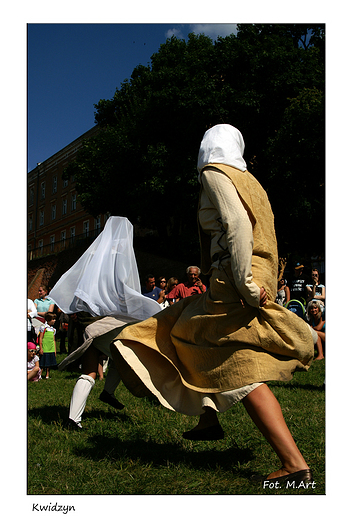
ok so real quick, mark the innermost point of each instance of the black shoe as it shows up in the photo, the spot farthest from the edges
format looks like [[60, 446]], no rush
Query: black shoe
[[72, 425], [105, 397], [294, 479], [212, 433]]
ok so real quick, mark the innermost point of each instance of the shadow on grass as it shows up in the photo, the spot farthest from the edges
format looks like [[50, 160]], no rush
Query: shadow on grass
[[161, 455], [101, 447], [294, 385], [59, 414]]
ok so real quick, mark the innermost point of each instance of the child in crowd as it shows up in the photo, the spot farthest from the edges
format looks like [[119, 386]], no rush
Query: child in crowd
[[47, 343], [33, 369]]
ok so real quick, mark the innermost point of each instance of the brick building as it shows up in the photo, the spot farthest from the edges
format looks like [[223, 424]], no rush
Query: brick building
[[55, 218]]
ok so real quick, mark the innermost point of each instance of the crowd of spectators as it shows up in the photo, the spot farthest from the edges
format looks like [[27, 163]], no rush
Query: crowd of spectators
[[167, 292], [304, 295]]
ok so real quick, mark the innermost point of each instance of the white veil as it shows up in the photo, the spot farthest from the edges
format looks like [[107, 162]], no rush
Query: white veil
[[105, 279]]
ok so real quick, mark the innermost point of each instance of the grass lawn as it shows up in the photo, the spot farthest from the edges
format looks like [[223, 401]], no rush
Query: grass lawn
[[140, 450]]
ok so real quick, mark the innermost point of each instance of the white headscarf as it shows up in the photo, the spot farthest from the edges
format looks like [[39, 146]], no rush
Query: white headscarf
[[222, 144], [105, 279]]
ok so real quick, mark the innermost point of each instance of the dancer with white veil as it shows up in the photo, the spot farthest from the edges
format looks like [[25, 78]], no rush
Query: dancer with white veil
[[103, 287]]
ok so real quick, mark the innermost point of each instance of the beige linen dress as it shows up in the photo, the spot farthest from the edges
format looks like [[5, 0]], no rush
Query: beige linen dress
[[213, 349]]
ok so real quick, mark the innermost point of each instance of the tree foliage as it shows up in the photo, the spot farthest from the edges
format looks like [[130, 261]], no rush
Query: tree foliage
[[268, 81]]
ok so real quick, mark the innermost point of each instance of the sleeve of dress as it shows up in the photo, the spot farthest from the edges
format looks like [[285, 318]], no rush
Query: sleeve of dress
[[235, 220]]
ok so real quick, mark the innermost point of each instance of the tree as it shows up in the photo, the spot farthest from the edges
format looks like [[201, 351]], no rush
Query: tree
[[268, 81], [297, 166]]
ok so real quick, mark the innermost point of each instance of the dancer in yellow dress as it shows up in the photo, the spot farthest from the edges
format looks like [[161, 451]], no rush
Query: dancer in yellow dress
[[209, 351]]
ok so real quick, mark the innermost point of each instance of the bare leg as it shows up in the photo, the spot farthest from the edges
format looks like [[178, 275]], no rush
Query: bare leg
[[266, 413], [33, 373], [321, 335], [319, 349], [100, 371]]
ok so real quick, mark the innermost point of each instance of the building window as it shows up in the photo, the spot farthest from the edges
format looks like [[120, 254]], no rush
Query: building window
[[72, 235], [86, 228], [74, 202], [63, 238], [64, 206], [41, 217], [42, 190], [98, 223], [52, 243], [40, 246], [53, 212], [65, 183], [30, 223], [31, 196], [54, 184]]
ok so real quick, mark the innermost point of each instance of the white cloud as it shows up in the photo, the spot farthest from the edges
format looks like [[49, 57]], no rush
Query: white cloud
[[214, 29], [174, 32]]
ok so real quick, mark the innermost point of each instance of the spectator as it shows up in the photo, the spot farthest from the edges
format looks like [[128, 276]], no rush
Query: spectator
[[161, 283], [47, 344], [31, 313], [171, 284], [63, 330], [74, 333], [298, 284], [283, 294], [168, 286], [315, 290], [151, 291], [194, 285], [33, 368], [44, 304], [315, 318]]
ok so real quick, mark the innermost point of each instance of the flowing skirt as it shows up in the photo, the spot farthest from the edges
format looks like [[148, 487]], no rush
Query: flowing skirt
[[211, 349]]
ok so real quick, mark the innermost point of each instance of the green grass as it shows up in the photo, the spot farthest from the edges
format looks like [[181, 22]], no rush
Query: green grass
[[140, 450]]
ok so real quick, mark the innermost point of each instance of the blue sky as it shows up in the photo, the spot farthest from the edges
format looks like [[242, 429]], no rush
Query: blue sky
[[72, 66]]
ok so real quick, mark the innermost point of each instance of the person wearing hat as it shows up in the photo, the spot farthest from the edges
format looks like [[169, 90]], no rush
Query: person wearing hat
[[33, 369], [298, 284]]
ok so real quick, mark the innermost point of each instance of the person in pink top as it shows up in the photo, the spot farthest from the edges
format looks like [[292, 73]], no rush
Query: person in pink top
[[33, 369], [194, 285]]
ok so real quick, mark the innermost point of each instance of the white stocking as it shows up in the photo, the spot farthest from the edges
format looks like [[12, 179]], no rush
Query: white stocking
[[79, 397]]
